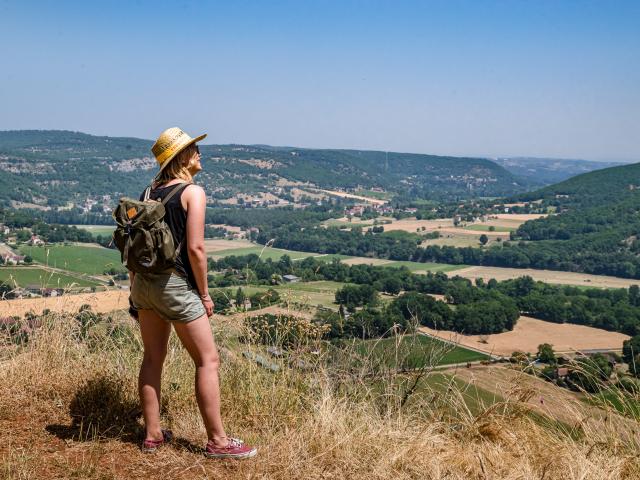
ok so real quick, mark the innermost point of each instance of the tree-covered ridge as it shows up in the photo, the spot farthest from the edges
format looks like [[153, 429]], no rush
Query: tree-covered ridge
[[597, 188], [55, 167]]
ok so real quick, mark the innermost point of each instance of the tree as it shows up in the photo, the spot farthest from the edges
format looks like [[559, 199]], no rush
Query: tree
[[630, 353], [634, 295], [240, 298], [28, 259], [589, 373], [484, 239], [546, 354]]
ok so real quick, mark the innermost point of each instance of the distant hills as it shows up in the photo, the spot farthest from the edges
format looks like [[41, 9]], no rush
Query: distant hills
[[53, 168], [545, 171]]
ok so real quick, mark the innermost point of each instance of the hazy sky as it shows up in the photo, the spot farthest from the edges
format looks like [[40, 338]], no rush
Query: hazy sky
[[497, 78]]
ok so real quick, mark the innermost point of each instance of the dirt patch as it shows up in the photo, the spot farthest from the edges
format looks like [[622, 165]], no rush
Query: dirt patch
[[548, 276], [355, 197], [530, 332]]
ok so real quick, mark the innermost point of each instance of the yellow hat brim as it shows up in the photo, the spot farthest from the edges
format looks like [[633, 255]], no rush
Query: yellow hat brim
[[190, 142]]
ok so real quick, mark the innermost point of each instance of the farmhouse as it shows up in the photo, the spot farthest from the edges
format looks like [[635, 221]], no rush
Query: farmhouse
[[291, 278]]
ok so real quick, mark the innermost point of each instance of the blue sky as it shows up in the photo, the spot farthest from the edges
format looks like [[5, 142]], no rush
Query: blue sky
[[490, 78]]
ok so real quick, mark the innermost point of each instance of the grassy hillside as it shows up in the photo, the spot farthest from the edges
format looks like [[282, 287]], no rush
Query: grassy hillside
[[69, 407], [55, 167]]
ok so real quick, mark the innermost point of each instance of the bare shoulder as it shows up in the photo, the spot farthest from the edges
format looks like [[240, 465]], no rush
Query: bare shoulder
[[193, 195], [194, 192]]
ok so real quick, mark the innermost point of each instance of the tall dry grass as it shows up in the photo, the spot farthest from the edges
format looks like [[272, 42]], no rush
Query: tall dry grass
[[69, 409]]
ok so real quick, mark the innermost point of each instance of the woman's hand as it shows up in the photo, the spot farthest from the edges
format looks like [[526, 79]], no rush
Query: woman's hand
[[207, 303]]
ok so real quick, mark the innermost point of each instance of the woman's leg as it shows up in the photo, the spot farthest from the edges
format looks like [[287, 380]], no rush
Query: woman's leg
[[155, 335], [197, 338]]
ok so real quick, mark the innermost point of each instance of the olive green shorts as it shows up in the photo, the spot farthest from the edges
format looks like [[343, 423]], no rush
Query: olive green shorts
[[167, 294]]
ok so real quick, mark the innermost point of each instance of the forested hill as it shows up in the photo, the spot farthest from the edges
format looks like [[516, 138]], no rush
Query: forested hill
[[51, 168], [596, 228], [597, 188]]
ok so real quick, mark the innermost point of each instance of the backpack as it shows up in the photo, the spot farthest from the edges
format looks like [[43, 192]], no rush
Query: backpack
[[142, 236]]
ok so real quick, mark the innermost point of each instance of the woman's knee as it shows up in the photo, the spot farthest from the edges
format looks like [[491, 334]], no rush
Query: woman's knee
[[154, 357], [209, 361]]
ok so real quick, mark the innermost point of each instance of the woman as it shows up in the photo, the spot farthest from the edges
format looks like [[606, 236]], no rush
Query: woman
[[181, 298]]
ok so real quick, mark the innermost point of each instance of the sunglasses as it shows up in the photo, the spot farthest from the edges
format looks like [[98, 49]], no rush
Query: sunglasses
[[197, 150]]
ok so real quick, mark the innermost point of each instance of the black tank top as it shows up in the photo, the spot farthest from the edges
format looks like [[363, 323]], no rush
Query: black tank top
[[176, 218]]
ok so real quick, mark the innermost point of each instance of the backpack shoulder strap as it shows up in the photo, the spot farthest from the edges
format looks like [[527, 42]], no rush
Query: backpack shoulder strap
[[176, 189], [147, 192]]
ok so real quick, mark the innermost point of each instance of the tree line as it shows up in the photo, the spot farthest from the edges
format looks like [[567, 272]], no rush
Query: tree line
[[480, 307]]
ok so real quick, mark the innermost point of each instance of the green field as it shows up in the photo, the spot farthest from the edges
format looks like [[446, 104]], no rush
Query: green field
[[307, 293], [485, 228], [625, 403], [274, 253], [430, 267], [453, 240], [95, 230], [415, 351], [90, 260], [27, 276]]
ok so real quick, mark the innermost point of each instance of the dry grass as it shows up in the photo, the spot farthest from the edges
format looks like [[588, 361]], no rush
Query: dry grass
[[547, 276], [68, 409]]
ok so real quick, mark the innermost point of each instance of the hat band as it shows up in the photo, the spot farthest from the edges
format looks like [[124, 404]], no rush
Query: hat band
[[171, 150]]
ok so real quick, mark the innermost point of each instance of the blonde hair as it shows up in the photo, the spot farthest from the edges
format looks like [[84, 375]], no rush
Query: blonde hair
[[178, 167]]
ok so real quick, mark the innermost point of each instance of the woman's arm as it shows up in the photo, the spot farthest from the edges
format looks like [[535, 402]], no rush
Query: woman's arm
[[195, 202]]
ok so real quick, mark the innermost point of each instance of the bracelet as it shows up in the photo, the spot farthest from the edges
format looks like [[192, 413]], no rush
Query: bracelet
[[204, 297]]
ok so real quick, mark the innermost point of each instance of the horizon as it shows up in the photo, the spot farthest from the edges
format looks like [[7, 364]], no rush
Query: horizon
[[204, 143], [492, 80]]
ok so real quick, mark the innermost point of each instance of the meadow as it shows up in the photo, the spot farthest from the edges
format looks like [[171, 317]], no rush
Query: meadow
[[489, 228], [306, 293], [95, 230], [415, 351], [27, 276], [273, 253], [75, 258]]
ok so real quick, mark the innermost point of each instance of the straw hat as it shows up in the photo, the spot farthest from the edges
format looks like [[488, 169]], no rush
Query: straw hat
[[170, 143]]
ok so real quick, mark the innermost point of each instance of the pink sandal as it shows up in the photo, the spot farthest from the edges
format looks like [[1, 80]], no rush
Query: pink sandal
[[150, 446]]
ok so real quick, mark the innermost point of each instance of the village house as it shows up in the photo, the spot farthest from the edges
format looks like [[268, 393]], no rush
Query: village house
[[12, 259], [35, 240], [291, 278]]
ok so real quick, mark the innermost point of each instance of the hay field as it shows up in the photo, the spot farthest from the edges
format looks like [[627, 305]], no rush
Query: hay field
[[531, 332], [461, 231], [366, 261], [548, 276], [102, 302], [411, 225], [217, 244]]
